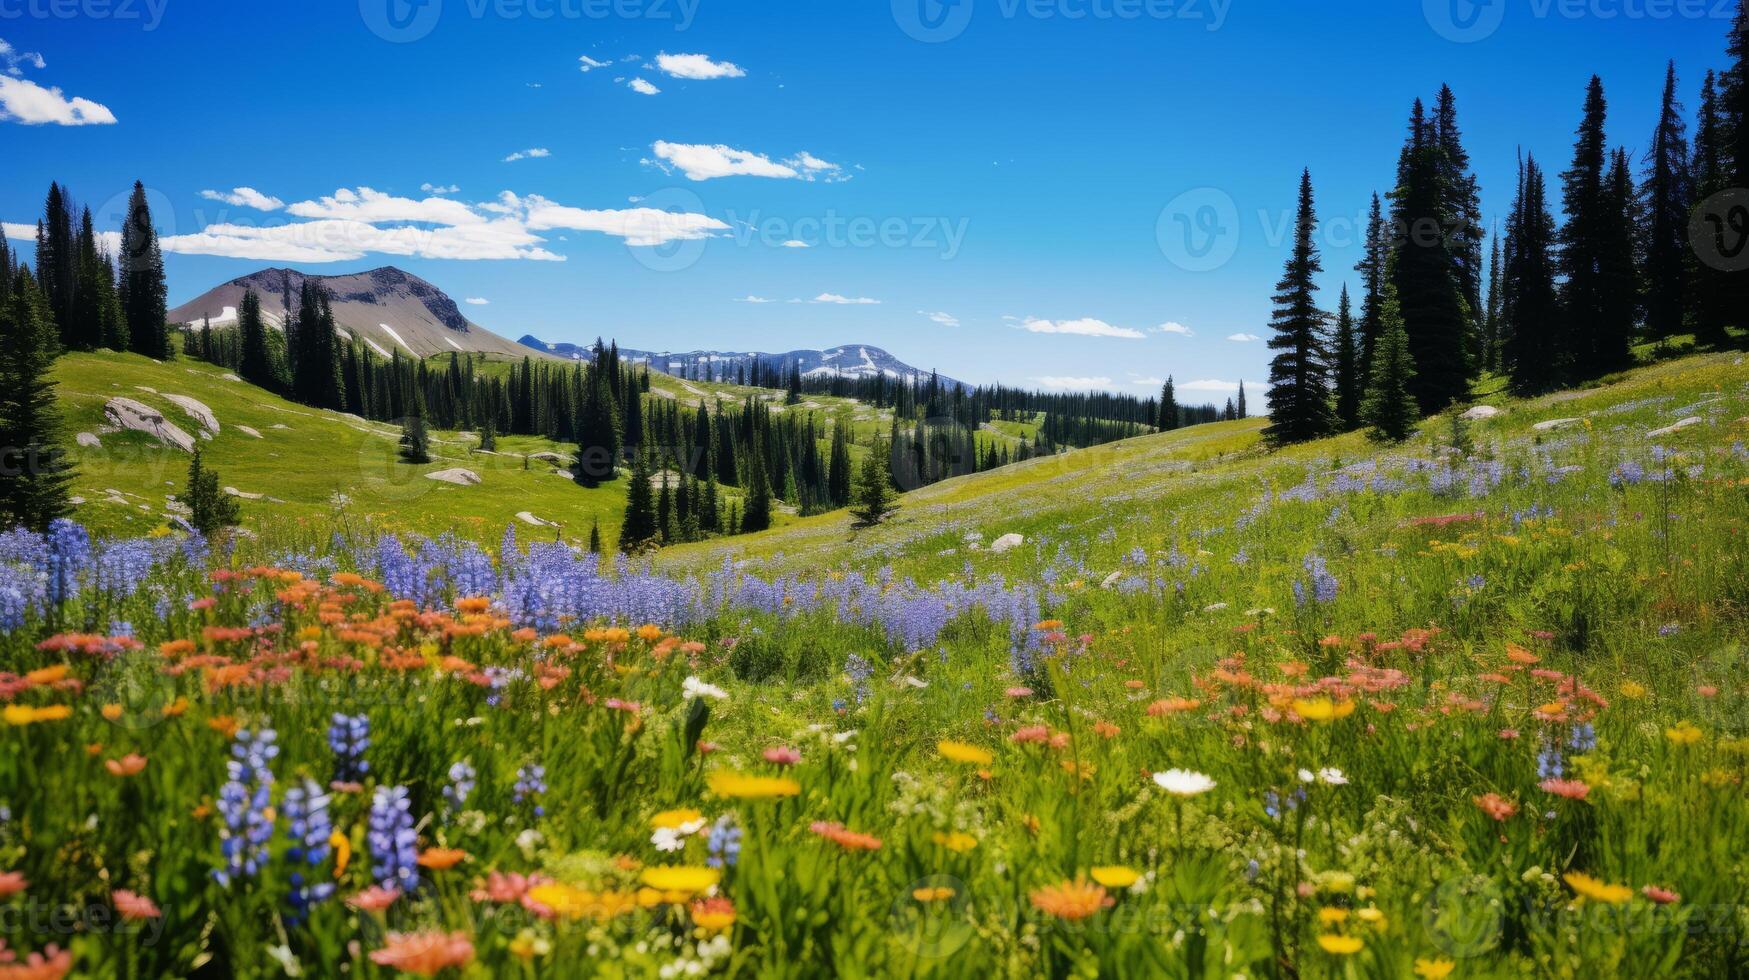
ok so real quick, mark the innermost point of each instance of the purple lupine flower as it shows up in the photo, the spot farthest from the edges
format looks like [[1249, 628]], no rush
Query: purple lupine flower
[[308, 828], [531, 783], [245, 806], [461, 785], [394, 846], [349, 737]]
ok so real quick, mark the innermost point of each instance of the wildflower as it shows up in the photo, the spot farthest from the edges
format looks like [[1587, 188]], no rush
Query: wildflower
[[1071, 900], [848, 839], [1684, 733], [740, 786], [50, 963], [1632, 690], [19, 715], [1435, 969], [342, 846], [1496, 806], [782, 755], [1589, 887], [679, 878], [957, 841], [111, 712], [461, 785], [1338, 945], [424, 953], [1030, 734], [246, 805], [1572, 789], [441, 858], [1332, 915], [528, 945], [964, 752], [1115, 876], [672, 827], [131, 764], [531, 782], [713, 914], [12, 882], [928, 895], [1662, 896], [1322, 709], [724, 844], [134, 907], [1018, 691], [374, 899], [393, 843], [1181, 782], [1327, 776], [348, 738], [1172, 706], [692, 687]]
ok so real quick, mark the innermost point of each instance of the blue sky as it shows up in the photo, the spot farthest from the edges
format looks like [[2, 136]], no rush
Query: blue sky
[[1000, 180]]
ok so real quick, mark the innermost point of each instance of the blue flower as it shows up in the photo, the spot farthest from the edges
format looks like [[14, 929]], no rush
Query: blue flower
[[394, 846], [349, 737]]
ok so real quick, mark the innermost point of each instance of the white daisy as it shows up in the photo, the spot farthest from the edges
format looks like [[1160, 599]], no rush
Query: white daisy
[[1182, 782]]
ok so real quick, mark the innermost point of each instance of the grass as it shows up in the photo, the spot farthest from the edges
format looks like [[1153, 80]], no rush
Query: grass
[[1342, 710]]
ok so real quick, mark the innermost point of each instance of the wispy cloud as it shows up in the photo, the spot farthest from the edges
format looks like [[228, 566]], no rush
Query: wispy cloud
[[476, 301], [945, 319], [439, 188], [1173, 327], [796, 243], [753, 299], [642, 87], [1073, 383], [1085, 327], [1244, 338], [1208, 384], [12, 58], [699, 161], [838, 300], [245, 197], [588, 64], [697, 66], [532, 153]]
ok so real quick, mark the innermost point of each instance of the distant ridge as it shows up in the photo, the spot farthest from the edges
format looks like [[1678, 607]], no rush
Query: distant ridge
[[850, 361]]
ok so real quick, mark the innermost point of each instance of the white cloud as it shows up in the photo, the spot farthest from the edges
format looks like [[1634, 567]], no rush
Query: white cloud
[[796, 243], [339, 240], [753, 299], [476, 301], [838, 300], [1244, 338], [588, 64], [24, 101], [697, 66], [108, 241], [245, 197], [532, 153], [700, 161], [1148, 382], [638, 226], [439, 189], [1086, 327], [1078, 384], [1207, 384], [14, 57], [945, 319], [1174, 327], [642, 87], [375, 207]]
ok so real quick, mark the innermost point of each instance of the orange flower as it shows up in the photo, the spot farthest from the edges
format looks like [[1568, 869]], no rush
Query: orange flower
[[52, 963], [1172, 706], [374, 899], [441, 858], [47, 675], [649, 633], [713, 914], [850, 840], [424, 953], [1520, 655], [1071, 900], [225, 725], [11, 883], [131, 764], [111, 712], [134, 907], [1497, 806], [1572, 789]]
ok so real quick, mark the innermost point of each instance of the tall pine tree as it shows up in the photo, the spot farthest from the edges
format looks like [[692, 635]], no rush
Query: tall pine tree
[[1618, 258], [1390, 410], [639, 527], [1429, 276], [1531, 310], [1374, 268], [1299, 386], [32, 459], [1584, 290], [1169, 417], [1350, 386], [142, 283], [1667, 196]]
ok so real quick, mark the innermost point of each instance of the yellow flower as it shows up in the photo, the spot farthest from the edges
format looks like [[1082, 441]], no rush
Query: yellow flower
[[1372, 917], [528, 944], [1322, 709], [927, 895], [963, 752], [713, 914], [1434, 969], [111, 712], [1632, 690], [1340, 945], [1116, 876], [958, 841], [342, 852], [1332, 916], [742, 786], [1683, 734], [1597, 891], [674, 819], [23, 714], [679, 878]]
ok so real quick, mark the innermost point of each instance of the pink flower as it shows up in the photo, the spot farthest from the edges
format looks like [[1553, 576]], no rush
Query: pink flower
[[424, 953], [52, 963], [1019, 692], [134, 907], [11, 883], [374, 899], [1572, 789], [506, 888], [1031, 733], [782, 755], [1663, 896]]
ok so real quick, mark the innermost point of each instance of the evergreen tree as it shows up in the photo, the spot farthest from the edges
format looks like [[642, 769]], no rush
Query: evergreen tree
[[35, 465], [1428, 275], [142, 285], [1463, 210], [1708, 286], [85, 329], [639, 527], [710, 517], [1299, 390], [665, 523], [595, 536], [256, 365], [1169, 417], [57, 264], [1734, 119], [598, 440], [757, 516], [1349, 384], [874, 494], [1531, 313], [1491, 320], [415, 441], [1584, 290], [1390, 410], [210, 509], [1374, 269], [1619, 263], [113, 319], [1666, 200], [838, 478]]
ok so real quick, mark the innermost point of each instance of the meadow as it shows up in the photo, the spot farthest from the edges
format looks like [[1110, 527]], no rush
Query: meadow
[[1470, 706]]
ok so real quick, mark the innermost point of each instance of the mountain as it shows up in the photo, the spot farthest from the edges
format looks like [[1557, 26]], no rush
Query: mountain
[[386, 308], [851, 361]]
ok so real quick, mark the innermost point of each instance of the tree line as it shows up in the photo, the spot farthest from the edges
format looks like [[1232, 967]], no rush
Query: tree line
[[1636, 259]]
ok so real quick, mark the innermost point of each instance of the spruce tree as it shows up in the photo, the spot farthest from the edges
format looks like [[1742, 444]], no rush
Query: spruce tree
[[1491, 320], [1667, 196], [1242, 411], [57, 265], [639, 527], [1584, 291], [210, 508], [1531, 315], [1299, 390], [32, 459], [256, 366], [1734, 102], [1463, 210], [598, 440], [415, 441], [1349, 384], [1708, 285], [838, 476], [488, 434], [595, 535], [1619, 263], [757, 515], [1427, 273], [874, 494], [1169, 415], [1374, 269], [665, 517], [85, 329], [1391, 410], [142, 283]]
